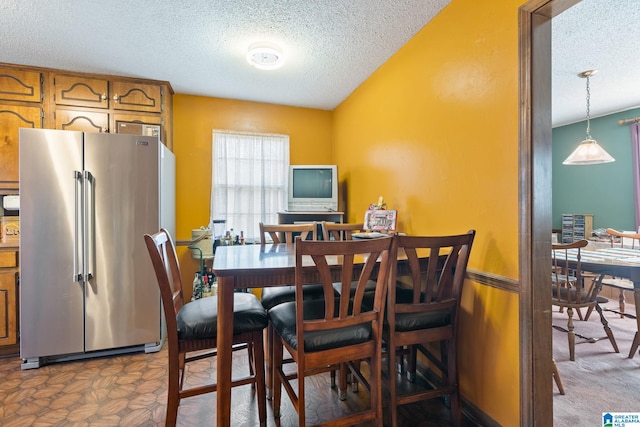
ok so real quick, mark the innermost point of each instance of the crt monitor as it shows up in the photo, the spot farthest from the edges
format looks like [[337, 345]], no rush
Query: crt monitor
[[313, 188]]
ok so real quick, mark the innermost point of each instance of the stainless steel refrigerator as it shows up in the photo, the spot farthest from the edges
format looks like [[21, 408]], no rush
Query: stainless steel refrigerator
[[87, 286]]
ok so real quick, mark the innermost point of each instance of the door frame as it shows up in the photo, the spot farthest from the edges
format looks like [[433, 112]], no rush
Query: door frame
[[534, 209]]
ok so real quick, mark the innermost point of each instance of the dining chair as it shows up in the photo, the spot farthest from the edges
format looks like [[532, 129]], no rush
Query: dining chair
[[286, 233], [343, 231], [272, 296], [340, 230], [321, 335], [572, 289], [619, 239], [422, 317], [192, 329]]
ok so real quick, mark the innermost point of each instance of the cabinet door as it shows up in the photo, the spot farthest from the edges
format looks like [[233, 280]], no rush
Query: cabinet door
[[8, 300], [137, 124], [80, 91], [12, 118], [16, 85], [136, 96], [84, 121]]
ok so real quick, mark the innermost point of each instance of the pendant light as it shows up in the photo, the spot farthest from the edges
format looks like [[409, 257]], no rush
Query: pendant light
[[589, 152]]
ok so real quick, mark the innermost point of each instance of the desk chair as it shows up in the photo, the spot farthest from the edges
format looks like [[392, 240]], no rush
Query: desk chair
[[616, 282], [422, 308], [192, 328], [334, 331], [571, 289]]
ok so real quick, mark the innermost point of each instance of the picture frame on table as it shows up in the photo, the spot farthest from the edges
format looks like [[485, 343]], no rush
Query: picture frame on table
[[380, 219]]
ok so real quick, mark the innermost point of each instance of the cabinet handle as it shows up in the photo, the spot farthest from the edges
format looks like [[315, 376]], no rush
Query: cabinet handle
[[116, 97], [104, 97]]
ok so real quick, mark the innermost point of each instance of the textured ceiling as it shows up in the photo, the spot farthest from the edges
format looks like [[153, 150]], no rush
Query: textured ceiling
[[331, 45], [595, 34], [199, 46]]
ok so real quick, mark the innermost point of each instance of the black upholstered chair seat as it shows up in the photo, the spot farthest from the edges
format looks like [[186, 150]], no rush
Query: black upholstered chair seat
[[198, 319], [369, 287], [417, 321], [283, 319], [279, 294]]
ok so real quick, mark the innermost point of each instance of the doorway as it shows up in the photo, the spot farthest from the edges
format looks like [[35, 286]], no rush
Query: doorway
[[535, 216]]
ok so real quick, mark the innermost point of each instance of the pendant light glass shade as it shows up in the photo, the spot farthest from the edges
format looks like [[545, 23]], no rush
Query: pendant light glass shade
[[589, 152]]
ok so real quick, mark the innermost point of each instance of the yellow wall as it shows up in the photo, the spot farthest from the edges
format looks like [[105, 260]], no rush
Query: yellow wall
[[194, 119], [435, 131]]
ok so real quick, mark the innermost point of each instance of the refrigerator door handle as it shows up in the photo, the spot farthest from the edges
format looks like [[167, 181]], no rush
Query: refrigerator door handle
[[89, 225], [77, 272]]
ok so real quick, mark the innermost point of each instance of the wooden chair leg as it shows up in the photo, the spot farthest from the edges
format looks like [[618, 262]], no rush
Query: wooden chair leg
[[257, 360], [556, 377], [268, 334], [571, 336], [452, 381], [393, 378], [607, 329], [276, 362], [173, 393], [621, 303], [342, 388]]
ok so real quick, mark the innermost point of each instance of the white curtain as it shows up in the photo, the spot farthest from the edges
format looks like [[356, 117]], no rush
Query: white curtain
[[250, 174]]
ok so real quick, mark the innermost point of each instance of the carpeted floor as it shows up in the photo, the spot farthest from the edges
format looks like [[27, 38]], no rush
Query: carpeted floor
[[599, 380]]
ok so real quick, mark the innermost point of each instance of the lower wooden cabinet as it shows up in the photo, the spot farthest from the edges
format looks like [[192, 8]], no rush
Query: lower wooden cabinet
[[9, 343]]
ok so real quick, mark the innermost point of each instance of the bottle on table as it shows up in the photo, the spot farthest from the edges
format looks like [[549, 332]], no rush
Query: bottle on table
[[206, 289], [197, 287]]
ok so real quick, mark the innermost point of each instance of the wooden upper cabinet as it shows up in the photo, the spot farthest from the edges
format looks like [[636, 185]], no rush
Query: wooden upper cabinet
[[12, 118], [136, 96], [84, 121], [80, 91], [19, 85], [33, 97]]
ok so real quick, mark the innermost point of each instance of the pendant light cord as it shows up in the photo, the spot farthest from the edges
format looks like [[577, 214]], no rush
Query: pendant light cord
[[588, 102]]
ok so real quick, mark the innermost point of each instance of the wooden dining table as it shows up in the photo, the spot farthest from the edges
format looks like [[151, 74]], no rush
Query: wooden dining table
[[255, 266], [618, 262]]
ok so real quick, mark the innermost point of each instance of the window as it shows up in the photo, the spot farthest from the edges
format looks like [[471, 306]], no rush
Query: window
[[249, 179]]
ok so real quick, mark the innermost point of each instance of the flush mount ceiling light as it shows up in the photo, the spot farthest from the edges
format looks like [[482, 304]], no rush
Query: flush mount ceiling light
[[589, 152], [265, 56]]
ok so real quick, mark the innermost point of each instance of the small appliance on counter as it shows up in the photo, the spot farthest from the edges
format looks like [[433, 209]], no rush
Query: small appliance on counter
[[10, 219]]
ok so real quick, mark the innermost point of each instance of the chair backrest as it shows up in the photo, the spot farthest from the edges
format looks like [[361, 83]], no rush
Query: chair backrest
[[433, 283], [286, 233], [624, 238], [165, 264], [568, 279], [340, 230], [335, 262]]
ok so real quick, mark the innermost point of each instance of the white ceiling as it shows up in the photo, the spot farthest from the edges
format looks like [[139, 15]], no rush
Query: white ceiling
[[199, 46], [595, 34], [331, 45]]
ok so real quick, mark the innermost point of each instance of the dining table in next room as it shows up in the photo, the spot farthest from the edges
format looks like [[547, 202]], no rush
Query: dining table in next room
[[617, 262]]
